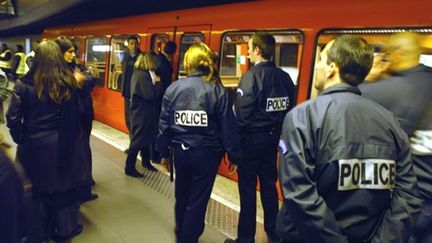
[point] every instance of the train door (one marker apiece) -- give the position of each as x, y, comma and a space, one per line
185, 37
158, 36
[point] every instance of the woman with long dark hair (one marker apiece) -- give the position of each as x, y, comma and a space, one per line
43, 119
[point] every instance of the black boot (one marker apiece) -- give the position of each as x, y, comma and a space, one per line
133, 173
149, 166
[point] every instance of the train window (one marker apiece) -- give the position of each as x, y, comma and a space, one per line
158, 41
95, 58
187, 40
234, 57
118, 48
378, 39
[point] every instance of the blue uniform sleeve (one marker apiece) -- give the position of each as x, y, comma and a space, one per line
163, 141
405, 204
245, 102
308, 211
15, 114
227, 130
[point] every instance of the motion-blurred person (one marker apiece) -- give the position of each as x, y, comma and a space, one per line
198, 123
380, 65
264, 95
86, 84
18, 63
345, 167
144, 113
11, 194
407, 94
128, 62
5, 59
43, 119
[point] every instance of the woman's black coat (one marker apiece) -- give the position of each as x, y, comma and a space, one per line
49, 138
144, 109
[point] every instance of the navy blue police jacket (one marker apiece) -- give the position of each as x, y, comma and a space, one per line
198, 114
345, 171
264, 95
407, 95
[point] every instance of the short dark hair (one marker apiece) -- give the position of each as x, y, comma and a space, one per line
170, 47
354, 57
133, 37
265, 42
19, 48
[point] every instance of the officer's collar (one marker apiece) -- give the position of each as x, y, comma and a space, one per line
197, 74
341, 87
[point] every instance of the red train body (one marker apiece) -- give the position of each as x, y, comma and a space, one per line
300, 27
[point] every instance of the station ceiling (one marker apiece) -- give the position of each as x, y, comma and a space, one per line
30, 17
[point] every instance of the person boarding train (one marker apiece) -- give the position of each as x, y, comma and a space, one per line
345, 167
197, 120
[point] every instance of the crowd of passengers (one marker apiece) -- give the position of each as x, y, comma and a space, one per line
355, 162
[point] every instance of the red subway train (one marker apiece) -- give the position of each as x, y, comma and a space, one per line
300, 28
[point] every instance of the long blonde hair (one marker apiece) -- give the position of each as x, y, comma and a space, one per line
51, 74
199, 58
145, 62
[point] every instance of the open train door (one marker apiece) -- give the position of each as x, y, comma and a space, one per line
185, 36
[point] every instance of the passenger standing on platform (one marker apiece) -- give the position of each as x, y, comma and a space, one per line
264, 95
86, 103
18, 63
128, 62
43, 119
407, 94
198, 123
165, 71
146, 92
345, 164
6, 59
164, 67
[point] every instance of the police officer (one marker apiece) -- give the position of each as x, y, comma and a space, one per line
345, 167
264, 95
5, 59
407, 94
197, 118
18, 63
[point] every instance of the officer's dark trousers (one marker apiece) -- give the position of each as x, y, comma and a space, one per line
195, 170
127, 116
259, 159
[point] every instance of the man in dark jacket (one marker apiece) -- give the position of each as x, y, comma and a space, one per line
345, 168
127, 69
264, 95
407, 94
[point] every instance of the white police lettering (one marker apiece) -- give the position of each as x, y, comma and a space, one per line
277, 104
375, 174
191, 118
